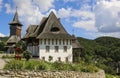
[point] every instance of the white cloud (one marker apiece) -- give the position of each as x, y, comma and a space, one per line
107, 16
87, 25
0, 4
9, 9
44, 5
77, 13
2, 35
84, 14
64, 13
86, 19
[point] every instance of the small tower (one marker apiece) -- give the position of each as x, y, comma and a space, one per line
15, 34
15, 26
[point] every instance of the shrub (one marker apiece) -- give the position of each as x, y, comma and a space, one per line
50, 58
2, 52
27, 55
42, 65
14, 65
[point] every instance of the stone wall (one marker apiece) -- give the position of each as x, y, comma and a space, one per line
50, 74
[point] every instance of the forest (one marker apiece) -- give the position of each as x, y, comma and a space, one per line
104, 52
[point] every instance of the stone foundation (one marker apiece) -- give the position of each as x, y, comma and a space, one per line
50, 74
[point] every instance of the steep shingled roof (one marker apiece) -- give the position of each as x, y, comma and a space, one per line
50, 27
54, 29
75, 43
13, 39
31, 29
15, 20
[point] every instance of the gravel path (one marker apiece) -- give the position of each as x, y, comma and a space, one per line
2, 63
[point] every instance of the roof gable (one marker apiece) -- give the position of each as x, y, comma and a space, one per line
53, 27
31, 29
53, 21
50, 27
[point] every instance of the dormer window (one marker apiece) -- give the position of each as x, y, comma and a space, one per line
55, 29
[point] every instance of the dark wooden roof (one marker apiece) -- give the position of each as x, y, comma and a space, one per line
15, 20
50, 27
13, 39
75, 43
31, 29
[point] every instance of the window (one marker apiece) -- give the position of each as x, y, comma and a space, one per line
55, 29
56, 48
47, 48
44, 41
52, 41
59, 59
40, 41
65, 48
43, 58
67, 42
56, 41
70, 42
66, 59
48, 41
63, 42
60, 42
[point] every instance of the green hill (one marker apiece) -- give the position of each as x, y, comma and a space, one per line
2, 43
103, 51
4, 39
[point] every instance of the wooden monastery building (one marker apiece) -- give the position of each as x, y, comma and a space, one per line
49, 40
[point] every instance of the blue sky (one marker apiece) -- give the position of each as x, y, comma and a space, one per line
84, 18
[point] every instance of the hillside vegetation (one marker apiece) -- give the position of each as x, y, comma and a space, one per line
2, 43
103, 51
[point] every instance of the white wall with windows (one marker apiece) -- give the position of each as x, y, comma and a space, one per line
59, 50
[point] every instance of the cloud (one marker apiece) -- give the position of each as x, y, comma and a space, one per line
64, 13
9, 9
0, 4
107, 16
87, 25
2, 35
44, 5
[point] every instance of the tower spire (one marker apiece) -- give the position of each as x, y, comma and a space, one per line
16, 8
15, 19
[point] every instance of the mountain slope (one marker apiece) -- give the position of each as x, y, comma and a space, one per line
103, 51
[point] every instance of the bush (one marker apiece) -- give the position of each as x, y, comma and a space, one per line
42, 65
27, 55
111, 76
14, 65
2, 52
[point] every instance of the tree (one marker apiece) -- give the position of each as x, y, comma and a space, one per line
22, 45
27, 55
2, 46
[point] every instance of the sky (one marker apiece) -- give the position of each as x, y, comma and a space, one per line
83, 18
